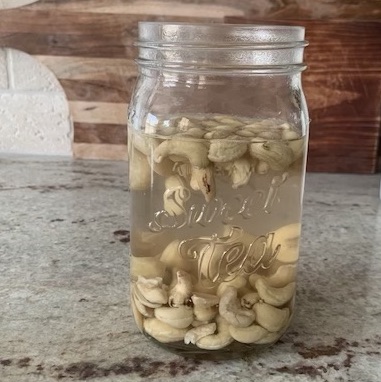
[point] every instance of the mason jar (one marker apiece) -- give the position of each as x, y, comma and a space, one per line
217, 136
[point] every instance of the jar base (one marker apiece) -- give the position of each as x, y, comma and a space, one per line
233, 351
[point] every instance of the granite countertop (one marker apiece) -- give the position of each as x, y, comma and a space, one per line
64, 307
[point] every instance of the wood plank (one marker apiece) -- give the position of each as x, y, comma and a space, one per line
159, 8
99, 151
89, 68
100, 133
99, 91
99, 112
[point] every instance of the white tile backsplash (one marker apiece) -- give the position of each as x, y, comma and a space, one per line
34, 111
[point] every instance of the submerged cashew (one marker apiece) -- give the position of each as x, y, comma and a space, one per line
276, 154
146, 266
180, 294
139, 171
219, 340
204, 306
150, 292
294, 141
144, 310
249, 299
227, 120
269, 338
230, 309
271, 318
175, 195
238, 282
248, 335
172, 258
179, 318
274, 296
203, 179
262, 168
195, 152
195, 334
240, 172
226, 151
284, 275
163, 332
287, 238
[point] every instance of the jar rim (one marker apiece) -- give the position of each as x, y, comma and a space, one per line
218, 34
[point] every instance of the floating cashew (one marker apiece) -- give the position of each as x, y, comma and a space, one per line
240, 172
217, 134
163, 332
295, 142
230, 309
196, 153
179, 318
226, 151
284, 275
271, 318
175, 195
249, 299
219, 340
194, 132
248, 335
150, 292
172, 258
195, 334
146, 266
139, 171
180, 294
277, 154
185, 124
274, 296
287, 237
227, 120
203, 179
238, 282
204, 308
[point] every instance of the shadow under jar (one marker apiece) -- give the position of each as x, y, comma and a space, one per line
217, 133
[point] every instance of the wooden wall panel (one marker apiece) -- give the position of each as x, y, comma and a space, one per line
88, 45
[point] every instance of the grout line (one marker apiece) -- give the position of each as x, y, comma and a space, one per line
11, 78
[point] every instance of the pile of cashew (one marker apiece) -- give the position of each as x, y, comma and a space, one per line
251, 308
194, 148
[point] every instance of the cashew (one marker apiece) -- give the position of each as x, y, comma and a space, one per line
262, 168
172, 258
287, 238
145, 144
271, 318
238, 282
196, 153
217, 134
139, 171
249, 299
210, 123
144, 310
164, 168
269, 338
175, 195
240, 172
274, 296
163, 332
194, 132
185, 124
230, 309
204, 306
227, 120
226, 151
245, 133
179, 318
269, 135
248, 335
146, 266
295, 142
180, 294
195, 334
219, 340
277, 154
203, 179
284, 275
150, 292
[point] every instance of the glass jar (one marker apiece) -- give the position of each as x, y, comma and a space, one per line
217, 151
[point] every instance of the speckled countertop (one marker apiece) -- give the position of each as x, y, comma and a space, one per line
64, 310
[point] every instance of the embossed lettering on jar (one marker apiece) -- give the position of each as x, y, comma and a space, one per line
217, 131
